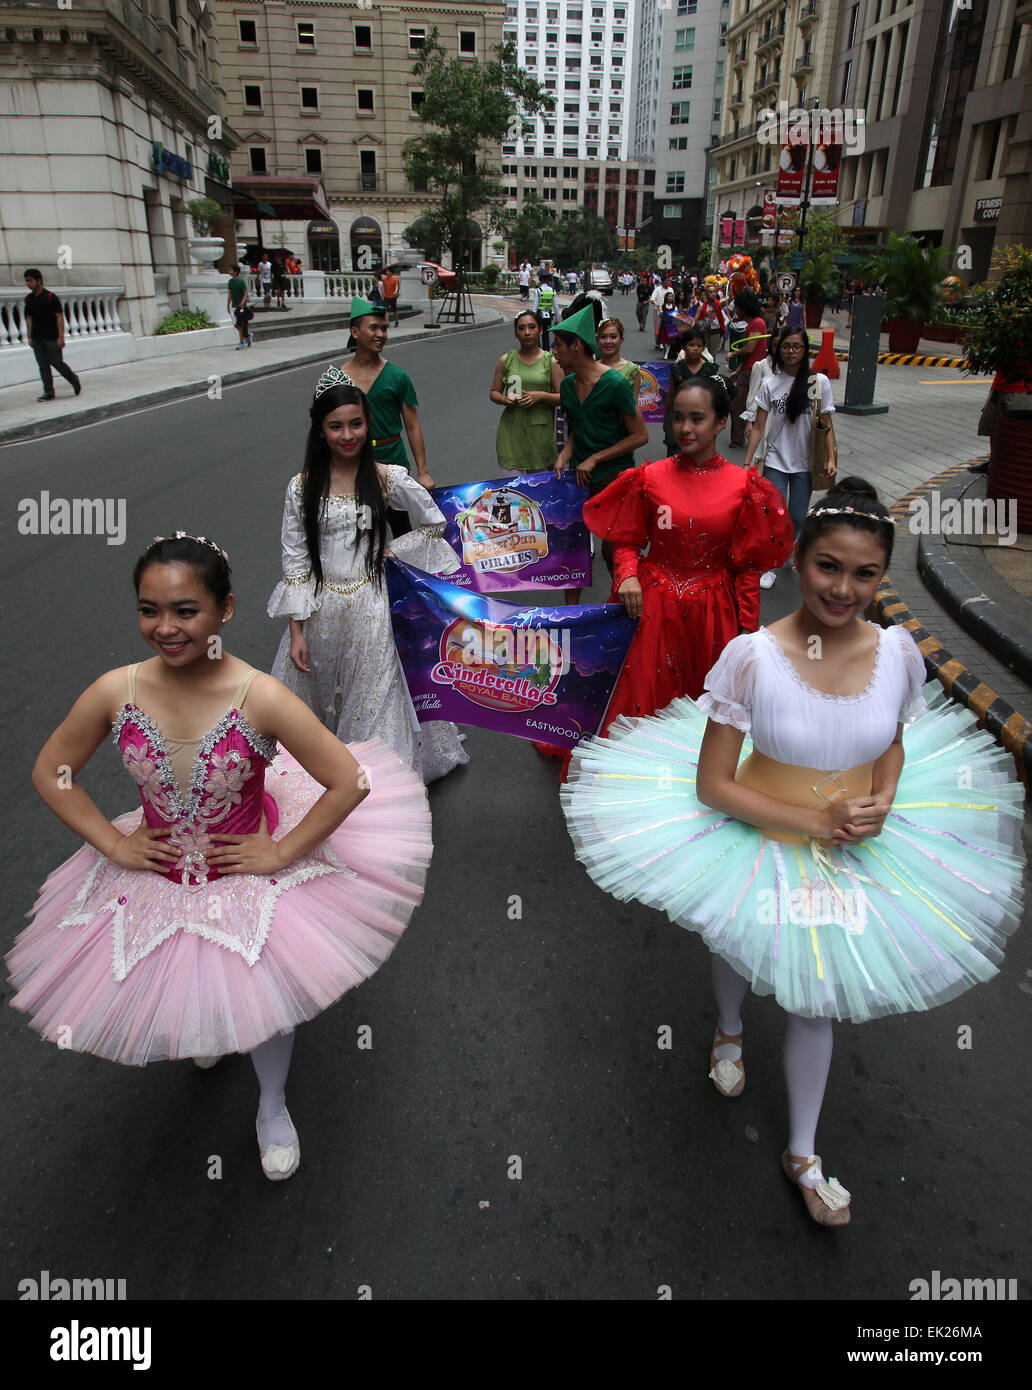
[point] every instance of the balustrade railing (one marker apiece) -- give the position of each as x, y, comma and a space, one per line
88, 313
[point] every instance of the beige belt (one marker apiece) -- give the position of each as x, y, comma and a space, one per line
802, 786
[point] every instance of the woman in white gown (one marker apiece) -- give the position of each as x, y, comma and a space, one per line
338, 654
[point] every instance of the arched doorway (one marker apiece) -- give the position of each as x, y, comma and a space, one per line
323, 246
366, 244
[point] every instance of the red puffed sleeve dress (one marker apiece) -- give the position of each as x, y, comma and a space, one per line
712, 529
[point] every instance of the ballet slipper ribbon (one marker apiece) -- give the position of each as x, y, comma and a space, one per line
833, 1194
725, 1075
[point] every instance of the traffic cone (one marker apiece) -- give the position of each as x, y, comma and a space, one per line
826, 361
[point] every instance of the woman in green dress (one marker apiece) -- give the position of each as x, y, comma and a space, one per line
610, 336
526, 384
391, 396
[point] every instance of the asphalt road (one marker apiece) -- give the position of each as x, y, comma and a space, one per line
499, 1046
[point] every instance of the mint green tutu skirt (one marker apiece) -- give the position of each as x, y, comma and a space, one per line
899, 923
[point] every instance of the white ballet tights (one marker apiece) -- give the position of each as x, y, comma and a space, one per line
808, 1044
272, 1063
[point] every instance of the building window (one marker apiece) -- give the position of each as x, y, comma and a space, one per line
675, 183
679, 142
684, 40
367, 160
416, 100
569, 151
252, 95
305, 33
549, 172
364, 37
313, 161
682, 78
617, 60
716, 108
679, 112
530, 171
569, 171
248, 32
467, 41
687, 7
671, 209
258, 165
569, 195
310, 98
416, 39
365, 99
548, 195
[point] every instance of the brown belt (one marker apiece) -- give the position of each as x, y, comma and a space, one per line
801, 786
391, 439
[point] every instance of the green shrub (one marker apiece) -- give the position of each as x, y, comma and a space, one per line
185, 321
491, 274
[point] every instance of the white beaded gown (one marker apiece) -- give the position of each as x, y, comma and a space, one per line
356, 685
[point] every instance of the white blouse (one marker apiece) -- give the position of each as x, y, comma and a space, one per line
342, 544
755, 687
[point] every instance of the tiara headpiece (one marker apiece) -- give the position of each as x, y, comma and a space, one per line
183, 536
332, 376
851, 511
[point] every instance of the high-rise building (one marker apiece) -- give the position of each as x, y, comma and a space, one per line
679, 69
947, 96
580, 52
325, 98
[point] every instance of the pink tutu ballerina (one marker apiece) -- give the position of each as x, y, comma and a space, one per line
245, 895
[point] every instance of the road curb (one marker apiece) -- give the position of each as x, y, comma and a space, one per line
1009, 728
990, 624
43, 429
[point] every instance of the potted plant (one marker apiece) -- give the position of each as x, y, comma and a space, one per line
204, 213
997, 320
910, 276
819, 282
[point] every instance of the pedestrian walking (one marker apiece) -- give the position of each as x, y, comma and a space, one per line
526, 384
45, 330
525, 276
751, 338
793, 865
796, 317
265, 279
391, 287
643, 295
338, 653
279, 282
787, 393
241, 900
657, 300
391, 396
237, 297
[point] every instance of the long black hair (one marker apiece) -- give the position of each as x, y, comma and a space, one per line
851, 496
204, 558
315, 483
798, 402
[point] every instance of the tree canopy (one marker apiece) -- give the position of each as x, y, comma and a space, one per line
468, 109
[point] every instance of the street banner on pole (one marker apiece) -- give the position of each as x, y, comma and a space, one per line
827, 161
522, 532
536, 673
792, 169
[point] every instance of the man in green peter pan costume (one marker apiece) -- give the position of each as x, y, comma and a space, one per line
391, 395
605, 425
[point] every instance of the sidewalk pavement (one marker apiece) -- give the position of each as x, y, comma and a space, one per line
131, 386
967, 597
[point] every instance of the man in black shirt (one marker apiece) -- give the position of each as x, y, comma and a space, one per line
44, 322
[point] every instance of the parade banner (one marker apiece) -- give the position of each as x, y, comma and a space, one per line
537, 673
792, 170
524, 532
652, 393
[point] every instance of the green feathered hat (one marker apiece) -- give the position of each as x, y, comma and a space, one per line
360, 309
580, 325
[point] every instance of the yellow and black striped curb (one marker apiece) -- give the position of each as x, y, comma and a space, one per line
1010, 729
907, 359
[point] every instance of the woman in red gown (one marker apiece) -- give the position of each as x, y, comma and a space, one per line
712, 529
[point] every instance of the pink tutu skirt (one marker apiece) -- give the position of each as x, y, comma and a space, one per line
124, 964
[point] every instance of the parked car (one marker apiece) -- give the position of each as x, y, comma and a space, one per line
598, 278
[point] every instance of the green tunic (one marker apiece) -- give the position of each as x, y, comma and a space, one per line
526, 434
597, 423
389, 392
628, 371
